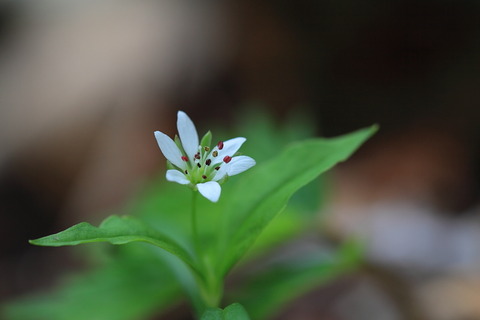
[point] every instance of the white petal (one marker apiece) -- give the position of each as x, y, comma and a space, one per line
239, 164
177, 176
170, 149
230, 147
221, 172
210, 190
188, 134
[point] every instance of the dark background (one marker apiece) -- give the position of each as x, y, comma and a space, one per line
76, 121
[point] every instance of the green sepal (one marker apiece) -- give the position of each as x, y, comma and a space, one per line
206, 140
170, 166
178, 142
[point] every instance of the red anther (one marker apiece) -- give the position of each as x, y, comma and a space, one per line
227, 159
204, 177
208, 162
197, 156
184, 158
220, 145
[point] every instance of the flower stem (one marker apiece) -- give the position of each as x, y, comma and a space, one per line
196, 242
211, 288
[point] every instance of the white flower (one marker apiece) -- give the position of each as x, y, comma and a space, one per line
196, 164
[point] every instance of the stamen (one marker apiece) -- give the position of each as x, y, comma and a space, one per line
217, 168
186, 172
208, 162
204, 177
199, 165
227, 159
220, 145
184, 158
197, 156
215, 153
207, 149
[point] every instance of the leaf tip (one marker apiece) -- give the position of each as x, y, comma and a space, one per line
36, 242
374, 128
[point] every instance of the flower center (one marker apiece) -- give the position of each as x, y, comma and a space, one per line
203, 165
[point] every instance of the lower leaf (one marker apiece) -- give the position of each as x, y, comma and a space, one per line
116, 230
233, 312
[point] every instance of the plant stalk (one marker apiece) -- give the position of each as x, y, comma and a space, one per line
196, 239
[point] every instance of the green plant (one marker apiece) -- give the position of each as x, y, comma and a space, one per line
198, 241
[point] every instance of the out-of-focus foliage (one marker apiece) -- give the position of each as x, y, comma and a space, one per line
134, 284
137, 283
232, 312
266, 293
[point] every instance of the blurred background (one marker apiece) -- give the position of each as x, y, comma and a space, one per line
83, 85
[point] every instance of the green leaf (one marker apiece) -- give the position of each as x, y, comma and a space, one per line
282, 282
268, 137
265, 189
116, 230
232, 312
213, 314
235, 312
136, 284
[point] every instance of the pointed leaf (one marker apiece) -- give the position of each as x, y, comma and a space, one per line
116, 230
265, 189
